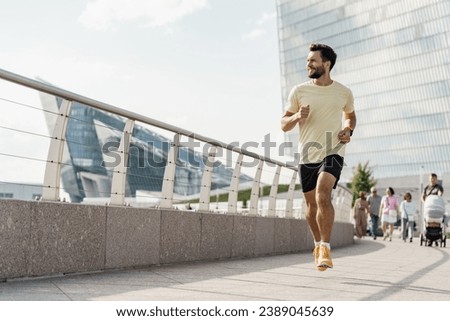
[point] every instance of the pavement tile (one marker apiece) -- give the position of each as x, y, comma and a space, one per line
367, 270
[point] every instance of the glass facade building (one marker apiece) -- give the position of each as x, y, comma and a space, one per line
93, 137
395, 57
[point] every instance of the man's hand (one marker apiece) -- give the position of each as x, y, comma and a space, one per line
303, 113
344, 135
290, 120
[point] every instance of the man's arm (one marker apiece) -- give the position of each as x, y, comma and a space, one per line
350, 120
349, 126
290, 120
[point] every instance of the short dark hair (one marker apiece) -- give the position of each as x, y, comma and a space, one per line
433, 175
326, 52
391, 190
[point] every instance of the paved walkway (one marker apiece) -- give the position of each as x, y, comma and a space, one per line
368, 270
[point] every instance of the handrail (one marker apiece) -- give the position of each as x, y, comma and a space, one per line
68, 95
51, 186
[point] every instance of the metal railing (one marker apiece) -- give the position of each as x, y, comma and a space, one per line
54, 162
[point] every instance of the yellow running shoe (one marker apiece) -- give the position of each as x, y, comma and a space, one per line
324, 260
316, 259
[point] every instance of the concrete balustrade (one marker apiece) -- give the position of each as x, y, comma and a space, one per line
51, 238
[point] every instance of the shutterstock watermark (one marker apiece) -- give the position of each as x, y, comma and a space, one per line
193, 153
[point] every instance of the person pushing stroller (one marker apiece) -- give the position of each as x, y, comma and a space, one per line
435, 189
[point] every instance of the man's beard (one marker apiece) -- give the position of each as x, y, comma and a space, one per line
317, 73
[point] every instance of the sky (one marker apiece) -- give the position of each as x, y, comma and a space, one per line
209, 66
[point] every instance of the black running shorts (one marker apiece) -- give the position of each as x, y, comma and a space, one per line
309, 173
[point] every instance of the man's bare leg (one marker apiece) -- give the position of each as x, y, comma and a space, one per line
325, 209
311, 214
325, 218
311, 218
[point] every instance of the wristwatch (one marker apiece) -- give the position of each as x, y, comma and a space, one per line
351, 131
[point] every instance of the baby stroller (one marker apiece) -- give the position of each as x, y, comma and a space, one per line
434, 222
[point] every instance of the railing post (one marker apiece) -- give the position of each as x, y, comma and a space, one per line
254, 197
169, 174
52, 176
234, 186
205, 189
119, 179
273, 193
290, 196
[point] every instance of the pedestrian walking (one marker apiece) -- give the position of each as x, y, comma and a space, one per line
389, 211
374, 201
360, 212
407, 211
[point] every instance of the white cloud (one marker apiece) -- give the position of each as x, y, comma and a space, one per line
255, 33
104, 14
260, 26
266, 17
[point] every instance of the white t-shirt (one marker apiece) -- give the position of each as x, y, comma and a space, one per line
408, 209
319, 133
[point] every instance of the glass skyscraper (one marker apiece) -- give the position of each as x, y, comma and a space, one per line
395, 57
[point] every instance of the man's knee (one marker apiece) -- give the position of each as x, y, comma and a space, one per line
323, 198
324, 188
